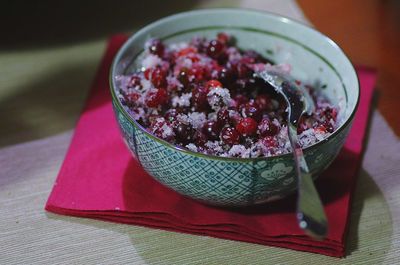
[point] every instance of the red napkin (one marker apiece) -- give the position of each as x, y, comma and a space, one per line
100, 179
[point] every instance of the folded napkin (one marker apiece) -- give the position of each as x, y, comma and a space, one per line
100, 179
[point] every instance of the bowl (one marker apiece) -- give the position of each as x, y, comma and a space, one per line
240, 181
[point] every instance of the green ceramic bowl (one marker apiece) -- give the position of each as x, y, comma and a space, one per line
236, 181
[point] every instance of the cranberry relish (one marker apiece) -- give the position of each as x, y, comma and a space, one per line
203, 96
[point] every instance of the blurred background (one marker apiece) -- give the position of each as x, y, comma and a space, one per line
49, 51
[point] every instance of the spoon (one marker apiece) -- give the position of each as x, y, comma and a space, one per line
310, 212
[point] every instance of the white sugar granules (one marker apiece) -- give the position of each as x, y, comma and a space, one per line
182, 101
150, 61
218, 97
197, 119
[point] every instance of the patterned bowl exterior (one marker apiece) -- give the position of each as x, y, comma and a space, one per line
217, 181
235, 181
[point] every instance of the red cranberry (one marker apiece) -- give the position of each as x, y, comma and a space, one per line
240, 100
158, 77
147, 73
135, 81
156, 98
211, 129
263, 101
200, 138
223, 37
184, 76
159, 128
247, 126
156, 47
198, 73
243, 71
267, 128
225, 75
213, 84
170, 57
215, 48
269, 142
252, 110
222, 117
183, 132
199, 99
230, 136
223, 58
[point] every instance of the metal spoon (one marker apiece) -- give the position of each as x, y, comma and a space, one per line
310, 212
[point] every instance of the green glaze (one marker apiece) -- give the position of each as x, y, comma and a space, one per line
237, 181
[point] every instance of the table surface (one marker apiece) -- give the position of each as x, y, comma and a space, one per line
46, 67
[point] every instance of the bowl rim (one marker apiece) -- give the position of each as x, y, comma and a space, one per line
275, 16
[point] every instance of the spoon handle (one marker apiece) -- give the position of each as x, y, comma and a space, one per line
310, 212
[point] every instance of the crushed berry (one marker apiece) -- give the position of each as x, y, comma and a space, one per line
202, 95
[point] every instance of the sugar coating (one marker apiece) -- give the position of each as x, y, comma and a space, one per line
218, 97
197, 119
151, 61
192, 147
180, 98
182, 101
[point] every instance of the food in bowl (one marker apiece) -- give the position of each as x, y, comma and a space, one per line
202, 95
237, 181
